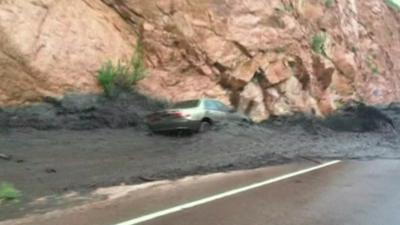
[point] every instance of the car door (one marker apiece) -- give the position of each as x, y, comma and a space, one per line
213, 111
226, 112
229, 113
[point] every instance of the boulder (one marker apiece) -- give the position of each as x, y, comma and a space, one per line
243, 74
345, 63
326, 104
278, 72
5, 157
341, 85
251, 102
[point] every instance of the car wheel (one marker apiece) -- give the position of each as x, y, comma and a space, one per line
247, 121
204, 127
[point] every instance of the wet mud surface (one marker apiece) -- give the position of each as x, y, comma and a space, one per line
53, 162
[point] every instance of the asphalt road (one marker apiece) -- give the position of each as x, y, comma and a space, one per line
347, 193
351, 193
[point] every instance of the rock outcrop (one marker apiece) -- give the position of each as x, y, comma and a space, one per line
49, 47
265, 57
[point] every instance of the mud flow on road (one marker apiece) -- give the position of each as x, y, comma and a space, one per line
53, 162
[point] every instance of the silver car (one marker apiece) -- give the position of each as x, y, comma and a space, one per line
193, 115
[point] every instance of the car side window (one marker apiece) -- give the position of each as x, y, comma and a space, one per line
222, 107
210, 105
216, 106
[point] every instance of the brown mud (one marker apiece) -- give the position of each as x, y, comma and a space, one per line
55, 160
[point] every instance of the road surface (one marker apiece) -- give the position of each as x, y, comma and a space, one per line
346, 193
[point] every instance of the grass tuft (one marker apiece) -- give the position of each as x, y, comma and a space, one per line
8, 192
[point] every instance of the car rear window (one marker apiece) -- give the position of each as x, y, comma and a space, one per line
186, 104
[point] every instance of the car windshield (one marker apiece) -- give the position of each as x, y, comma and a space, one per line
186, 104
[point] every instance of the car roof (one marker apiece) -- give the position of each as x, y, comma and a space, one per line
201, 100
209, 99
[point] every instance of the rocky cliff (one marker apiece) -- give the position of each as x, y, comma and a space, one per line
265, 57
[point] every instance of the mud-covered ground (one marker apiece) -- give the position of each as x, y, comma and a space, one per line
53, 162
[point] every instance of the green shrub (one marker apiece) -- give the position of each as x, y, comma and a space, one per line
372, 65
318, 43
289, 8
106, 78
138, 64
286, 8
394, 4
328, 3
354, 49
122, 75
8, 192
339, 104
280, 50
375, 71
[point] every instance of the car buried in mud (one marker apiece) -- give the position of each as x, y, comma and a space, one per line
193, 115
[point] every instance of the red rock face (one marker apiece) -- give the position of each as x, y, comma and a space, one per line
50, 47
256, 54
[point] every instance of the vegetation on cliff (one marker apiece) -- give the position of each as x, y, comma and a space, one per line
114, 77
394, 4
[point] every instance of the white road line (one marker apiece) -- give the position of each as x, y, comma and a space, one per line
178, 208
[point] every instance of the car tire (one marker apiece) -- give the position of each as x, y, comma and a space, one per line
204, 127
247, 121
